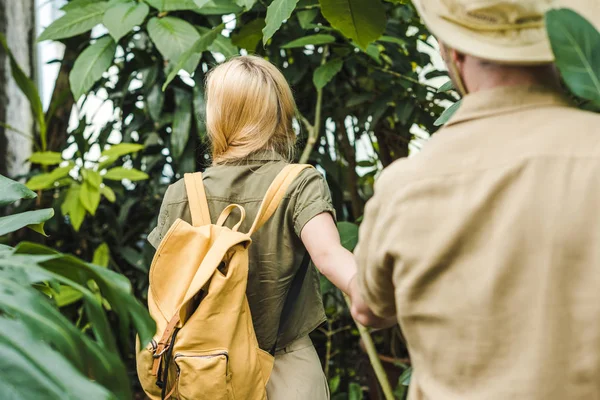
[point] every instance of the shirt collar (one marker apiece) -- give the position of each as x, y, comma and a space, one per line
507, 99
264, 156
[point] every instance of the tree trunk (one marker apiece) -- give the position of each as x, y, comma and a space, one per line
17, 23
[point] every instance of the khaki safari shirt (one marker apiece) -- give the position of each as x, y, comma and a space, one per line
486, 246
277, 251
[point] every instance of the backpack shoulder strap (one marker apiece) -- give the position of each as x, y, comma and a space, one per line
197, 199
275, 194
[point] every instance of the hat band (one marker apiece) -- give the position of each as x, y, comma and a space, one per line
495, 27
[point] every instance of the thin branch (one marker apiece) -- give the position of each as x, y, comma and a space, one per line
374, 359
406, 78
313, 134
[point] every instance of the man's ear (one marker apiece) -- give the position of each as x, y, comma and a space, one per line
458, 58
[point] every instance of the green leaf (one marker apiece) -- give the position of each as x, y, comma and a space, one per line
374, 52
91, 176
29, 89
193, 53
446, 87
31, 367
173, 5
217, 7
73, 207
362, 21
90, 196
91, 64
246, 4
11, 191
405, 377
325, 73
32, 263
77, 4
348, 234
121, 18
107, 161
314, 40
102, 255
221, 44
107, 192
182, 122
277, 12
446, 115
45, 181
249, 35
334, 384
120, 173
307, 17
174, 37
75, 22
392, 39
355, 391
46, 158
66, 296
575, 44
15, 222
122, 149
155, 102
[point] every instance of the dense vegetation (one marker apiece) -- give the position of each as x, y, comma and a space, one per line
357, 69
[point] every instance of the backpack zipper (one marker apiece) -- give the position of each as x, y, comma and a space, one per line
222, 353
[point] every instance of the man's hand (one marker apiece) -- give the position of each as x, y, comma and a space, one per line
361, 311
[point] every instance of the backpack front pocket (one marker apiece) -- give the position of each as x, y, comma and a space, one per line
203, 376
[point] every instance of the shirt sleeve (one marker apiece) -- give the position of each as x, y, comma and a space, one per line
374, 253
312, 198
174, 206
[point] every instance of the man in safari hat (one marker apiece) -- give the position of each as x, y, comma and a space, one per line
486, 245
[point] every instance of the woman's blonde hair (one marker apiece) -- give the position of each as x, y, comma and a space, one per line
249, 107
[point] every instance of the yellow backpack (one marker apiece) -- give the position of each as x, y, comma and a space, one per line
205, 346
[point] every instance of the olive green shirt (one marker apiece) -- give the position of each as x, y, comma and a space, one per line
276, 251
486, 246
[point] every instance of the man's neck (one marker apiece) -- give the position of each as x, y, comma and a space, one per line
480, 75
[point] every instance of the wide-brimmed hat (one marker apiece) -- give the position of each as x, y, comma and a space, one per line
503, 31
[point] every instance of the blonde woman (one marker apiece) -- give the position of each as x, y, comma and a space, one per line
249, 115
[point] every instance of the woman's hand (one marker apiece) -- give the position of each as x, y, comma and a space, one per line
361, 311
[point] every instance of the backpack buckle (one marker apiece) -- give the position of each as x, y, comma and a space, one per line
160, 354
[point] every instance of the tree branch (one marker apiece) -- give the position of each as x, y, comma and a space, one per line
313, 134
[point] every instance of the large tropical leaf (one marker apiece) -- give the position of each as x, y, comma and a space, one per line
362, 21
32, 370
91, 64
277, 12
11, 191
194, 53
35, 219
173, 38
121, 18
249, 35
30, 264
576, 46
77, 20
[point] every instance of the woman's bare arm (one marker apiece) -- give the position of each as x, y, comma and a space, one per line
322, 240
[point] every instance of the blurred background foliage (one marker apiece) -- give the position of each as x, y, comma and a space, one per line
362, 76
